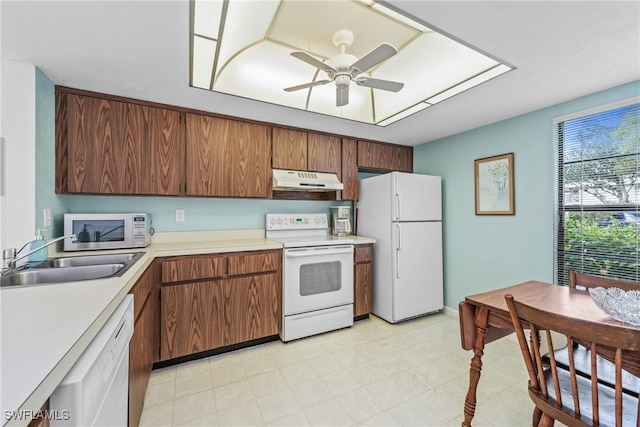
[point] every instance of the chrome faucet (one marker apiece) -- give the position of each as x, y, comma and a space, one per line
10, 255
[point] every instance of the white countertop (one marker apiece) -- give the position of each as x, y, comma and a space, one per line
45, 328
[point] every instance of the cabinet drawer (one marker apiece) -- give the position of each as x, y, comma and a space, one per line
193, 268
363, 253
254, 262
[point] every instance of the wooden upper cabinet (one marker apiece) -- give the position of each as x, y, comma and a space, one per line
324, 153
350, 169
112, 145
166, 137
106, 141
105, 146
381, 157
227, 158
289, 149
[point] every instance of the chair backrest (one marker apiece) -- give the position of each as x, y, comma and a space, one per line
577, 280
563, 395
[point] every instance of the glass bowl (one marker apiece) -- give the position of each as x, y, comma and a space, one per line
617, 303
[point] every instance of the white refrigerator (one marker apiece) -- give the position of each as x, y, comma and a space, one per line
403, 212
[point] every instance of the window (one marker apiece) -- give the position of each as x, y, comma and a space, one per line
598, 215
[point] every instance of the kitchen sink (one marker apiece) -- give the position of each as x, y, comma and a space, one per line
90, 260
72, 269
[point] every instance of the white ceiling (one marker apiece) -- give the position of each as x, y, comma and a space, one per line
140, 49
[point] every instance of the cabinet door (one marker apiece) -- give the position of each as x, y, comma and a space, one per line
325, 154
384, 157
227, 158
363, 280
116, 147
289, 149
141, 358
363, 295
144, 346
189, 315
167, 160
252, 308
401, 158
350, 169
208, 155
106, 143
251, 160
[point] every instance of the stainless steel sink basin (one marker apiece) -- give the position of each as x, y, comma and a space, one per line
72, 269
56, 275
78, 261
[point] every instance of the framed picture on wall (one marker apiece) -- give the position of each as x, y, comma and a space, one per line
494, 185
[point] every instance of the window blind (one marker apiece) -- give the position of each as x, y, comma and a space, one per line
598, 218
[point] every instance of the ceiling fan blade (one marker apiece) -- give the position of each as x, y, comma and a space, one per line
313, 61
306, 85
342, 95
373, 58
379, 84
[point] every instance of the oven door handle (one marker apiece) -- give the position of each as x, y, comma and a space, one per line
310, 253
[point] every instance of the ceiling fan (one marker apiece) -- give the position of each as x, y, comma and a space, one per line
344, 68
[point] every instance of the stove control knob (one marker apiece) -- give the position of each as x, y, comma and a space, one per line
280, 221
272, 221
323, 219
317, 220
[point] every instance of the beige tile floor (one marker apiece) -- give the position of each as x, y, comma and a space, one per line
372, 374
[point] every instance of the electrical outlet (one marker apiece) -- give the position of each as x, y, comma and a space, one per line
179, 215
46, 213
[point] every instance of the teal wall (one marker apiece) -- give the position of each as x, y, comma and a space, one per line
45, 158
488, 252
200, 213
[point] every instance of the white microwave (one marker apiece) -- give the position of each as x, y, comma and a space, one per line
106, 231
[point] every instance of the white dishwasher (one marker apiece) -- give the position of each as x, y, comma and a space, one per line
95, 391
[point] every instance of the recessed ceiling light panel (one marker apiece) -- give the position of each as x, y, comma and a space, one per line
245, 48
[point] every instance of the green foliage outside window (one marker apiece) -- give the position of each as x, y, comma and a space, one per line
593, 249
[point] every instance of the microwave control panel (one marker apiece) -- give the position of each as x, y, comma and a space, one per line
140, 231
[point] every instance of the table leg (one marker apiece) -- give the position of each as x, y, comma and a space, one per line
481, 321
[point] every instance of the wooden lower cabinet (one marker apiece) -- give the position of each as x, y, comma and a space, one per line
189, 315
363, 280
41, 420
243, 305
144, 345
251, 308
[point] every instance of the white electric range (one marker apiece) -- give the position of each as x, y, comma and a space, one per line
317, 278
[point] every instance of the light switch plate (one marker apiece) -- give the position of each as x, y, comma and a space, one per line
46, 213
179, 215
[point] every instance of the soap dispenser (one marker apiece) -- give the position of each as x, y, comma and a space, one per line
40, 255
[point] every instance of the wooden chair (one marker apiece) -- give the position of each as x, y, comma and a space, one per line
564, 395
582, 355
585, 281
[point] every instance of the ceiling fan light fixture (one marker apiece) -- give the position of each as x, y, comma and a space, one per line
342, 79
342, 68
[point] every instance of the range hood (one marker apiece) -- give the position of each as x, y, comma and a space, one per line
305, 181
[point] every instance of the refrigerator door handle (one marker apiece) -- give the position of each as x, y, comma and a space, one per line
398, 245
397, 206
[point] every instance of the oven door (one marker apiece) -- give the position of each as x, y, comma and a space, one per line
317, 277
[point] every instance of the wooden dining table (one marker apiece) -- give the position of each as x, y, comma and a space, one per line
485, 318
